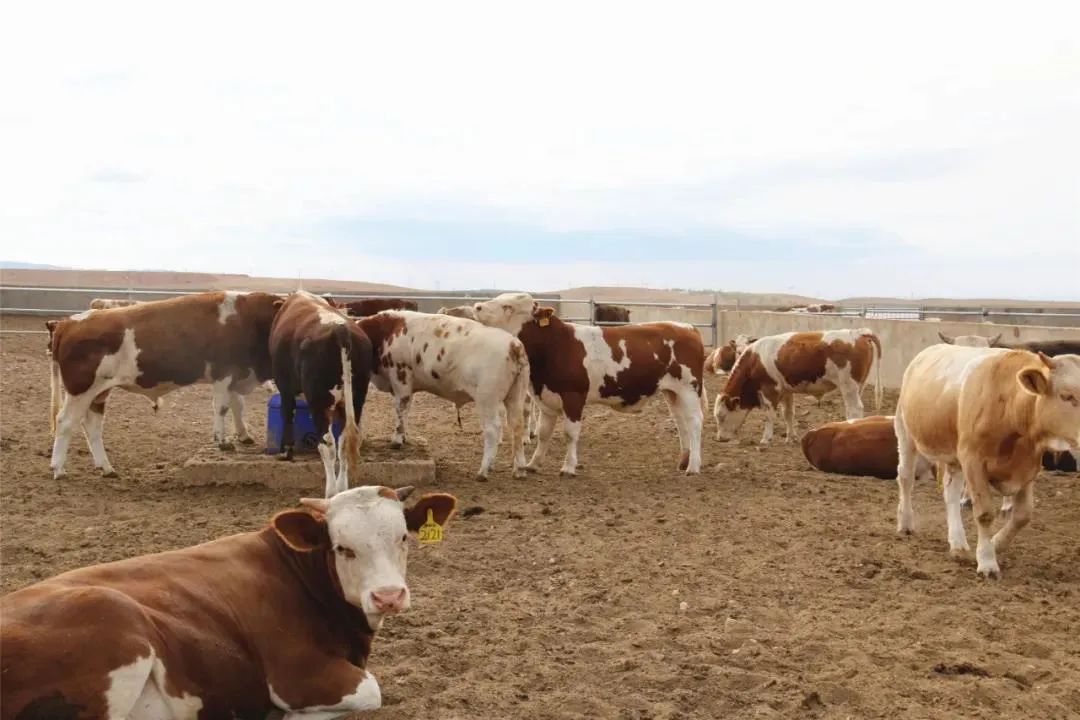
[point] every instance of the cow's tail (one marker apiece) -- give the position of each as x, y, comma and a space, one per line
878, 390
56, 390
515, 396
350, 435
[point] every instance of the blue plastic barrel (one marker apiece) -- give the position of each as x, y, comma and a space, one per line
303, 427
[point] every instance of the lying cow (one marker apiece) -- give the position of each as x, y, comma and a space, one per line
773, 369
989, 415
109, 303
279, 620
152, 349
855, 447
317, 351
621, 367
610, 314
722, 359
457, 359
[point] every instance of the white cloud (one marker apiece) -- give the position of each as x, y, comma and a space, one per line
135, 138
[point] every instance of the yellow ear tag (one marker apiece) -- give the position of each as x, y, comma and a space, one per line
430, 532
543, 321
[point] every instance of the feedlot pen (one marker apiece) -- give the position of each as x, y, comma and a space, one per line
564, 598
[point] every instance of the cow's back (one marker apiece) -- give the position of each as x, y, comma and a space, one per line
856, 447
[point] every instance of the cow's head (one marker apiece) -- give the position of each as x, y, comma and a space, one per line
366, 533
508, 311
1056, 384
969, 340
730, 416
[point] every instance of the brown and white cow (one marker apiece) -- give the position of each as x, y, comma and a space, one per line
109, 303
866, 446
152, 349
611, 314
319, 352
723, 358
621, 367
773, 369
457, 359
279, 620
988, 414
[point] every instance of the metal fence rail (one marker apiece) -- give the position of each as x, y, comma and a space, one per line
31, 296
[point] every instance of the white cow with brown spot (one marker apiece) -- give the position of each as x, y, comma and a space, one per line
987, 414
457, 359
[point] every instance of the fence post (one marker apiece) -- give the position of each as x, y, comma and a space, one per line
716, 319
592, 310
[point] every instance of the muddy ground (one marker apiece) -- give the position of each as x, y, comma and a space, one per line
562, 598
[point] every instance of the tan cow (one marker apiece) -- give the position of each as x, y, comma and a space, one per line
621, 367
278, 620
152, 349
988, 414
109, 303
773, 369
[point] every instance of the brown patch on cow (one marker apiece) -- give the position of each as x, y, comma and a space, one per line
424, 349
748, 379
382, 328
387, 493
419, 360
439, 355
801, 360
435, 374
402, 373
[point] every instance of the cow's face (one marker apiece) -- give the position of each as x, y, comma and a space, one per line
461, 311
366, 531
730, 416
508, 311
1056, 382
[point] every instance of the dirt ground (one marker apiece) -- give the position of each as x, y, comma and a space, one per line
561, 599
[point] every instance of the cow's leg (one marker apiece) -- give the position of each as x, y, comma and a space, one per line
852, 396
693, 421
71, 414
514, 405
675, 407
905, 476
288, 429
543, 439
952, 491
236, 405
572, 428
402, 402
93, 423
328, 451
1019, 516
221, 409
982, 506
335, 688
787, 411
491, 425
770, 417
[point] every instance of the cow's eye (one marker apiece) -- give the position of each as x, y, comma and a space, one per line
405, 538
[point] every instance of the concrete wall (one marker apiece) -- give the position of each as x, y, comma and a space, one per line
901, 340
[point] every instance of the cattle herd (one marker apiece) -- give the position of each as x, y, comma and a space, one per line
979, 415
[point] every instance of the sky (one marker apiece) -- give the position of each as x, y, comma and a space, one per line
831, 149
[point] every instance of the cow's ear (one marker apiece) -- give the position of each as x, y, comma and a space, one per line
277, 304
301, 530
1036, 380
730, 402
441, 505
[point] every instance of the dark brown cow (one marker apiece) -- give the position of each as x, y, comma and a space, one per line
621, 367
854, 447
319, 352
276, 620
611, 314
774, 368
152, 349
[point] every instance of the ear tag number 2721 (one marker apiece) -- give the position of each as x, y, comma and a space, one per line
430, 532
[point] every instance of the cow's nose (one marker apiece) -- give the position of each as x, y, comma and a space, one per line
389, 600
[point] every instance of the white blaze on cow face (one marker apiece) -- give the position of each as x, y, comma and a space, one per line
370, 544
508, 311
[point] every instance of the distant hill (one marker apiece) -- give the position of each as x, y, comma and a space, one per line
15, 265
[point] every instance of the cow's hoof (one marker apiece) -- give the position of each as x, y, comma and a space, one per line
693, 472
520, 473
480, 477
59, 475
247, 441
110, 474
395, 445
285, 456
226, 446
567, 474
959, 553
990, 572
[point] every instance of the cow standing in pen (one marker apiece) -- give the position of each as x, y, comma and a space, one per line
621, 367
457, 359
319, 352
723, 358
988, 415
151, 349
773, 369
